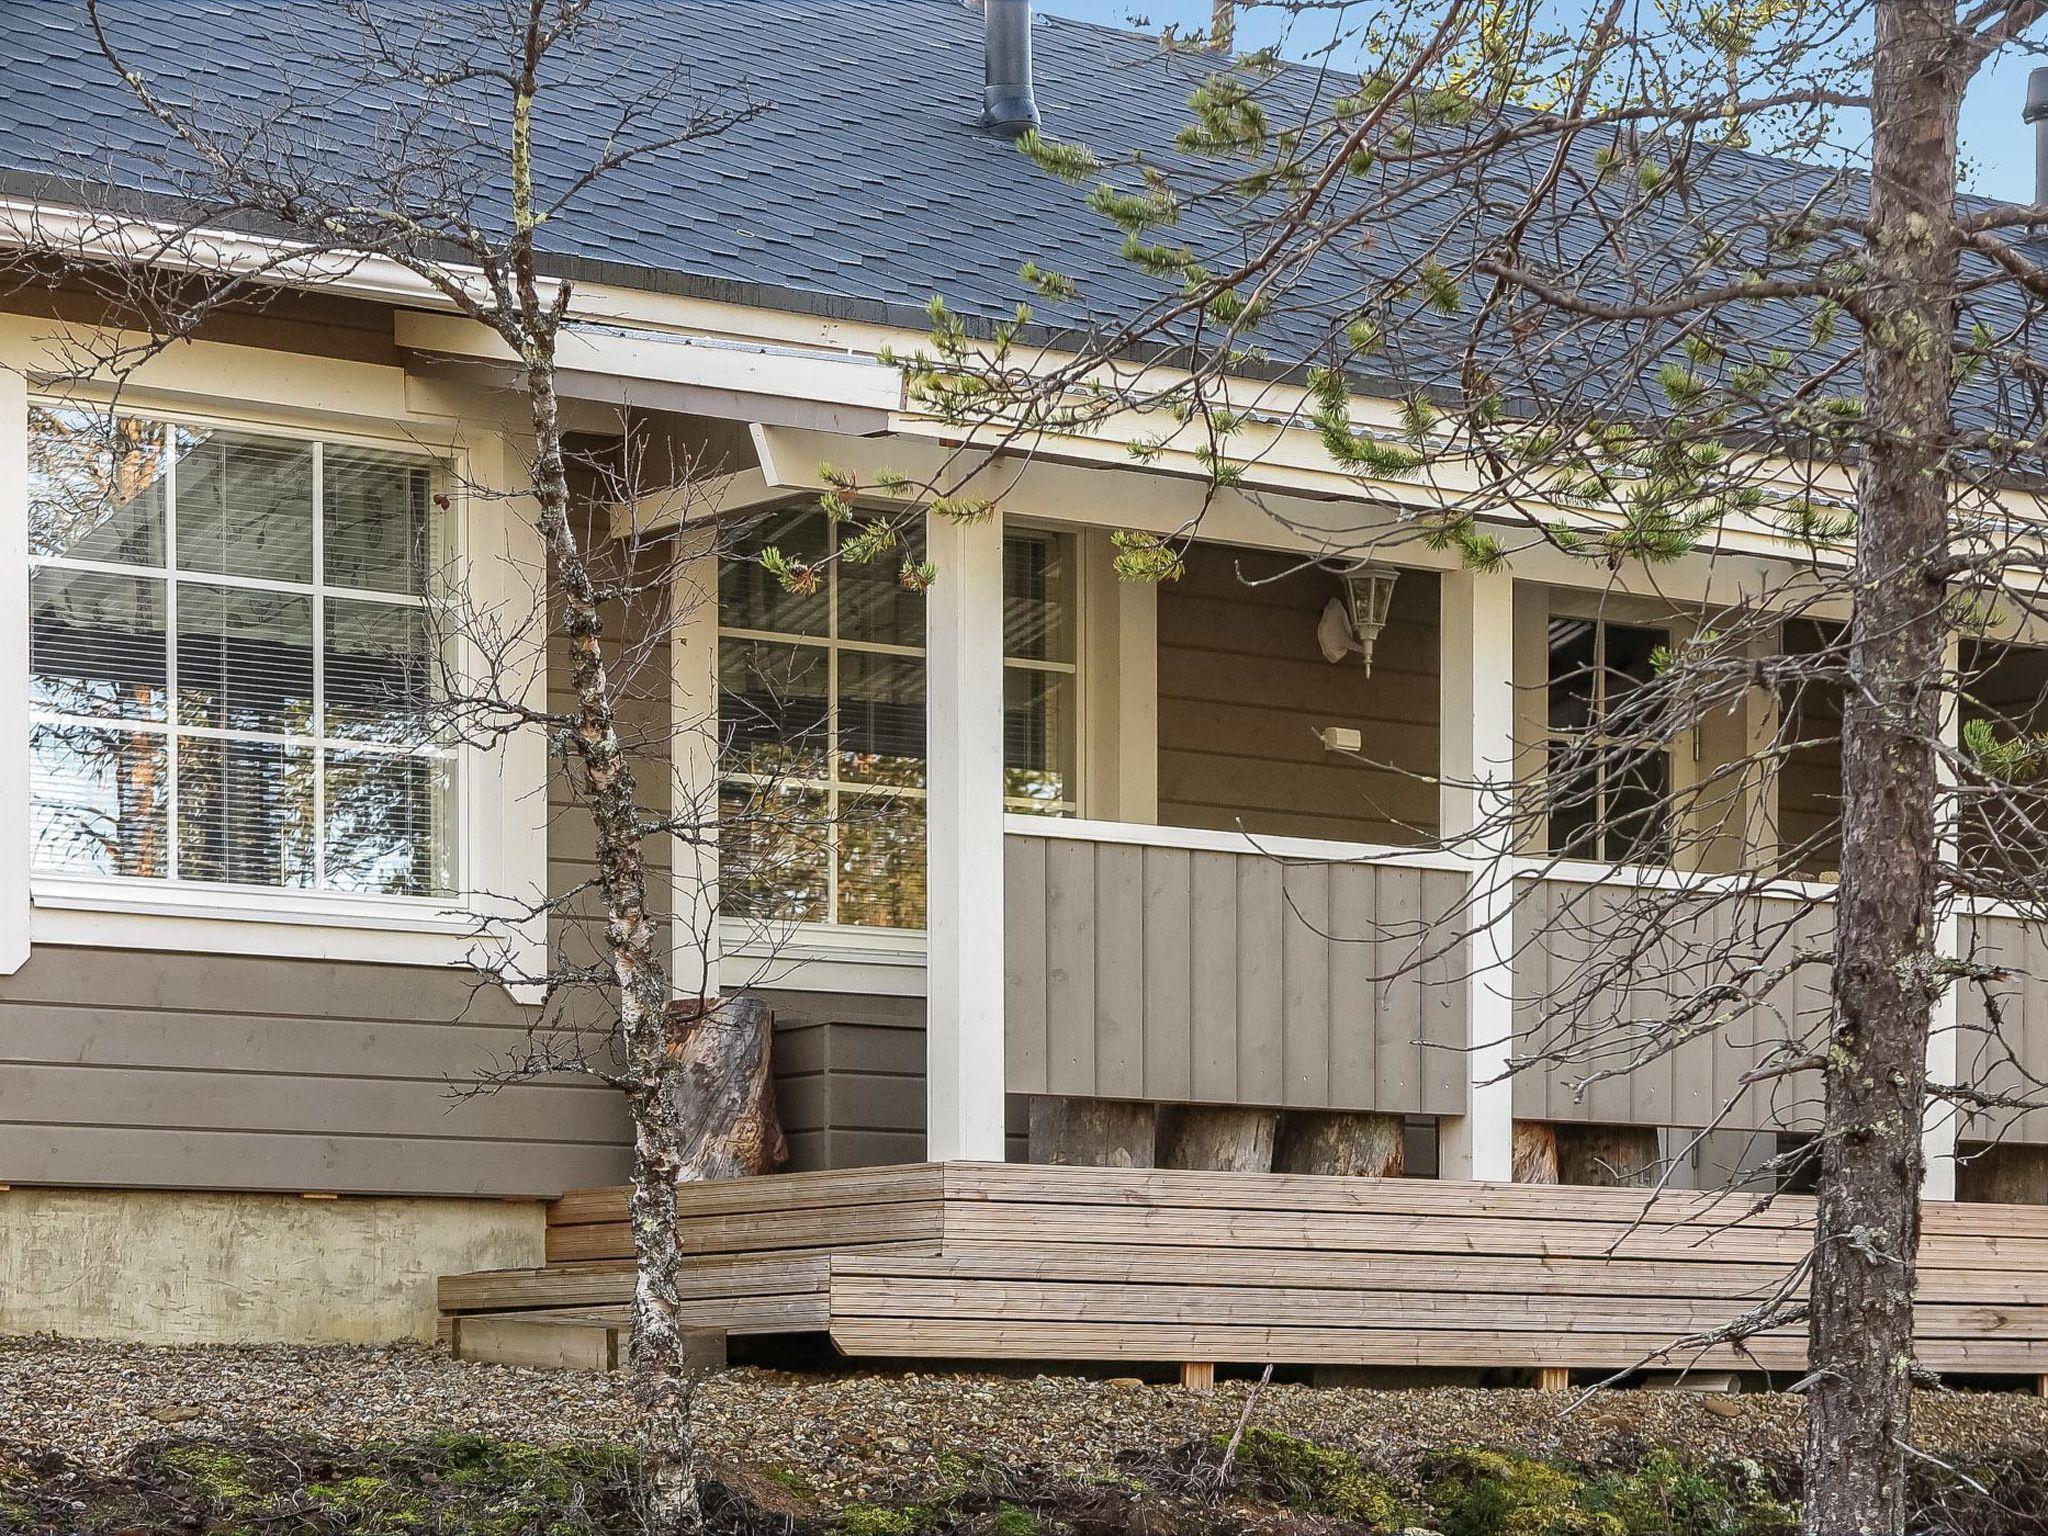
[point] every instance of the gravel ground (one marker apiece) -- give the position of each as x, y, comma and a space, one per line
852, 1436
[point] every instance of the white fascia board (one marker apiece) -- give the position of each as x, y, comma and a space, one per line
664, 357
31, 224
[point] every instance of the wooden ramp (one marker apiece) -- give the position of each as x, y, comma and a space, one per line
983, 1261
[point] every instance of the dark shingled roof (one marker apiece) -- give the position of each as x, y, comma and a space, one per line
865, 187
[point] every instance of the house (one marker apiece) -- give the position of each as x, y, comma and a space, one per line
1110, 841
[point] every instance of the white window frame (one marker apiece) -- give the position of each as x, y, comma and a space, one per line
500, 796
1602, 742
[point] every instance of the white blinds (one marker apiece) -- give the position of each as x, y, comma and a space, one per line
231, 659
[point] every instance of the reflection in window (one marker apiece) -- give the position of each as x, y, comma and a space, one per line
231, 659
822, 713
1609, 777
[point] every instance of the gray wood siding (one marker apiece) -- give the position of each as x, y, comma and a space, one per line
1243, 690
1210, 977
2002, 1044
128, 1069
123, 1068
1565, 933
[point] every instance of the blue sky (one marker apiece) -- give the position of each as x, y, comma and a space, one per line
1996, 145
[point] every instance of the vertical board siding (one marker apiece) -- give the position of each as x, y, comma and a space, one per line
1593, 1043
2003, 1024
1227, 978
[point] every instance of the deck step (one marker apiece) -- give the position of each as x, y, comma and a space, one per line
560, 1338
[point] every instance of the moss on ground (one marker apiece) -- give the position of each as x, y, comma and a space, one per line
468, 1485
1298, 1474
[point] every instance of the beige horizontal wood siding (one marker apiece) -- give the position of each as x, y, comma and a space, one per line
1568, 938
2002, 1046
122, 1068
1183, 975
1243, 690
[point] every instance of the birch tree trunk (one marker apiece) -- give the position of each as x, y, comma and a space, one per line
1885, 980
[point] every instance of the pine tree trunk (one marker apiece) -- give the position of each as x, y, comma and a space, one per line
1346, 1145
1092, 1133
1219, 1136
1885, 980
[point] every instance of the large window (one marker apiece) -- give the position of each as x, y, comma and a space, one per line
1609, 764
823, 713
231, 658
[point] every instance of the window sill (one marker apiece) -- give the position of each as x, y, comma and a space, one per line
239, 921
821, 957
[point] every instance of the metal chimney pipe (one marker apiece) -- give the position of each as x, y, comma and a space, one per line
2037, 114
1008, 106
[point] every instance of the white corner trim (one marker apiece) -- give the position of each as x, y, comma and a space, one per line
14, 762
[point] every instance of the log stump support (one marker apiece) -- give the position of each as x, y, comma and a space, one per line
730, 1129
1092, 1133
1198, 1375
1553, 1378
1595, 1156
1343, 1144
1222, 1137
2006, 1173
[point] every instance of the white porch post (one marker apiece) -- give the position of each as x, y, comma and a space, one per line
14, 760
1474, 796
693, 762
964, 847
1938, 1122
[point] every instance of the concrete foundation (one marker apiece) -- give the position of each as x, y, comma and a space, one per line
176, 1268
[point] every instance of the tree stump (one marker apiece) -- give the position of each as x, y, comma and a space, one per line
1218, 1136
1092, 1133
724, 1114
1535, 1152
1608, 1156
1348, 1145
2002, 1174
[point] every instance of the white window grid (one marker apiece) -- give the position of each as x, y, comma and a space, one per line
832, 784
318, 591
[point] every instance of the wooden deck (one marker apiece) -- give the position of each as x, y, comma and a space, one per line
977, 1261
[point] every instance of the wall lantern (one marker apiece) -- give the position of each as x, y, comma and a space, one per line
1354, 621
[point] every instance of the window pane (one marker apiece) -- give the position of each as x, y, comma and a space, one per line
881, 719
773, 843
95, 487
750, 598
1630, 664
1571, 674
881, 861
874, 605
1573, 800
99, 801
1038, 597
379, 673
244, 505
772, 707
245, 659
245, 812
390, 824
1038, 734
1638, 789
96, 644
377, 521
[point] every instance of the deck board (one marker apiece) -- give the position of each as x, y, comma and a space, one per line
982, 1261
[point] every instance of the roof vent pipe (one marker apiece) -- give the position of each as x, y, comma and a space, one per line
1008, 106
2037, 114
